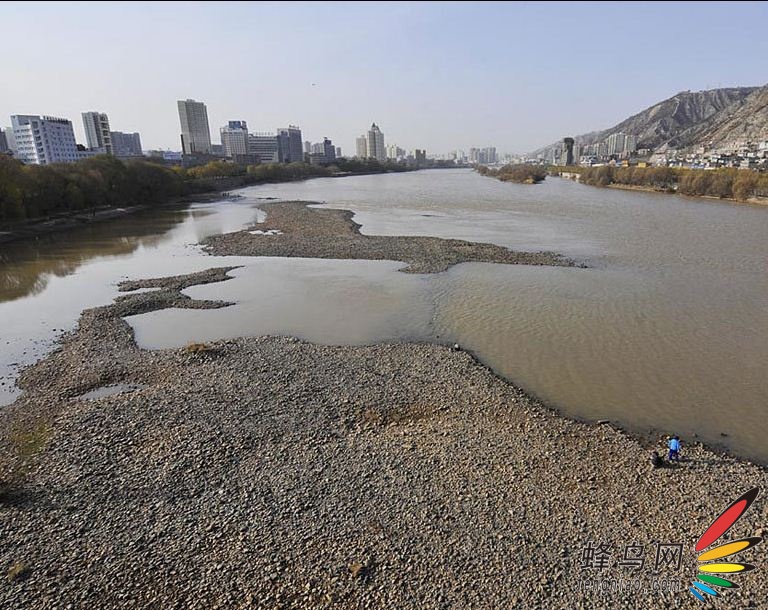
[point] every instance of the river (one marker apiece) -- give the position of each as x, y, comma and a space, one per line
667, 329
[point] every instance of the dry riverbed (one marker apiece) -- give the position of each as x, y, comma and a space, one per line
273, 473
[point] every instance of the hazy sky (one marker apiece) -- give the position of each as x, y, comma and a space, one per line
435, 75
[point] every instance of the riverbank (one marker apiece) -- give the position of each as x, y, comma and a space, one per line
272, 473
160, 185
647, 189
576, 177
298, 230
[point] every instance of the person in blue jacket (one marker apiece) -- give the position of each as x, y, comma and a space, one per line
674, 449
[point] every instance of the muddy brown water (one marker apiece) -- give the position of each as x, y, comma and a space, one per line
667, 329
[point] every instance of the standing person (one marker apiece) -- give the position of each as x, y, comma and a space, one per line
674, 449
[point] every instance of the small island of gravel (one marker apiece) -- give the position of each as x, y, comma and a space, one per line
294, 229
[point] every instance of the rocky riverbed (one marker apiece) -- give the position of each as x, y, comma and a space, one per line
299, 230
273, 473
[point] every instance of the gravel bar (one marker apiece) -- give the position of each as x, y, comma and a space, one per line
328, 233
272, 473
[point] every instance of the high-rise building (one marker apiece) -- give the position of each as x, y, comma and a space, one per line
234, 139
361, 147
10, 140
195, 133
264, 146
43, 140
289, 144
125, 144
375, 144
395, 152
630, 143
307, 147
483, 155
490, 154
338, 152
420, 156
3, 142
567, 158
615, 143
97, 133
328, 150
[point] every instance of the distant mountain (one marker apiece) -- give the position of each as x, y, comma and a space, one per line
690, 119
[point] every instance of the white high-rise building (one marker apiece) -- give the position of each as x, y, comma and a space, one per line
234, 139
43, 140
394, 152
195, 133
630, 143
375, 144
361, 147
97, 132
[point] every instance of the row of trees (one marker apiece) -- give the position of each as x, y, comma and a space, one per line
33, 191
524, 174
729, 183
284, 172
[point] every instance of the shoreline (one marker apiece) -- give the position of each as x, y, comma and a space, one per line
386, 475
761, 201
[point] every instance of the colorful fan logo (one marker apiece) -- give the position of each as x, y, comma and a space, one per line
710, 562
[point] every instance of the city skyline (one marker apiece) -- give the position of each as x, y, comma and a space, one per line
451, 76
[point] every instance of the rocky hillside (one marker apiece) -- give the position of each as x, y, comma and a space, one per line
690, 119
745, 121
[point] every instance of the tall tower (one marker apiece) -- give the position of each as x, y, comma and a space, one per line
361, 147
97, 131
568, 150
376, 144
195, 133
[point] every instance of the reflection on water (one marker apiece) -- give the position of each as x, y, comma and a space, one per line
47, 282
667, 329
27, 265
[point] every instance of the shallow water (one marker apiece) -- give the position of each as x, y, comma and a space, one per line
668, 328
324, 301
45, 283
